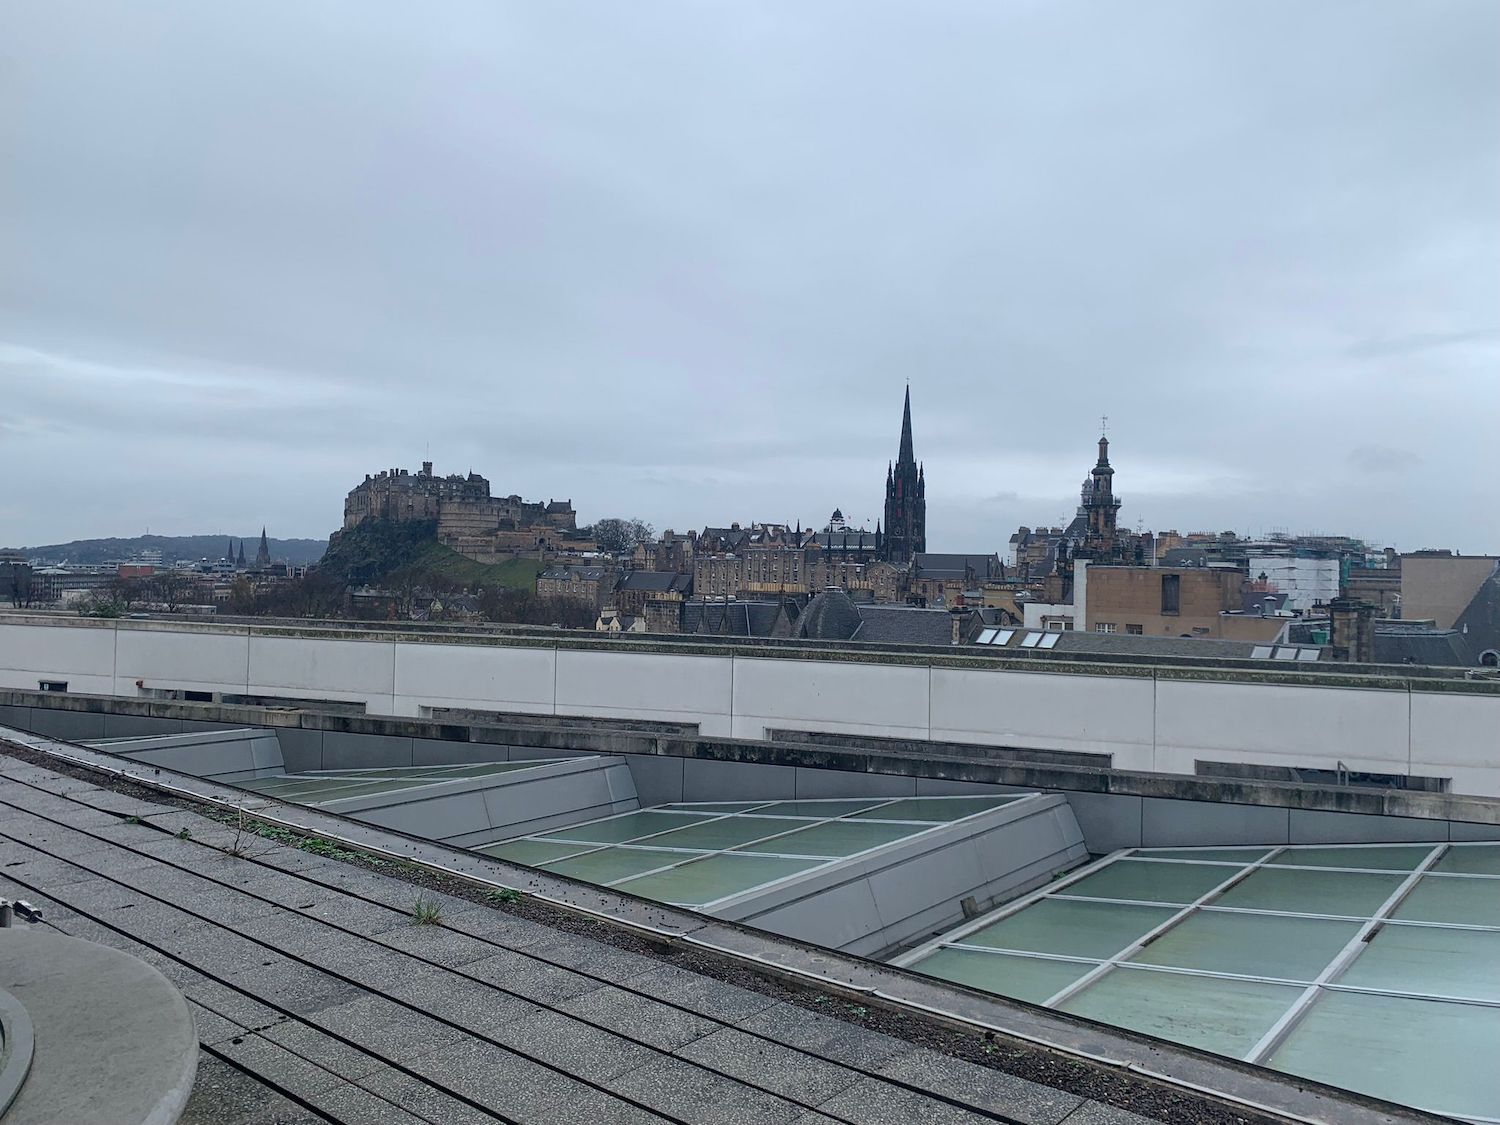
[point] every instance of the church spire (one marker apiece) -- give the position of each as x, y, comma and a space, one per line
906, 456
905, 524
263, 556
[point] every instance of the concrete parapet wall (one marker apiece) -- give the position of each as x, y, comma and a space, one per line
1147, 717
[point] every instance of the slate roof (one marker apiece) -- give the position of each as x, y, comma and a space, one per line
655, 581
845, 540
830, 616
1480, 620
905, 625
1443, 647
834, 616
735, 619
930, 565
587, 573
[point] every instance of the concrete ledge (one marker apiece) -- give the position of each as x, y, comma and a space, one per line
832, 752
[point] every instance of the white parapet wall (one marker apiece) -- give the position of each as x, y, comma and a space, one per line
1145, 717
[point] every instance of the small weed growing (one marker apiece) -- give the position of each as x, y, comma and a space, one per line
134, 820
425, 913
502, 896
184, 834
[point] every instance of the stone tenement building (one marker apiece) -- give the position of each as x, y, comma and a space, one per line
471, 521
771, 560
905, 501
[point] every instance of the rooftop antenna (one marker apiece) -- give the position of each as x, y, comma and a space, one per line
1104, 423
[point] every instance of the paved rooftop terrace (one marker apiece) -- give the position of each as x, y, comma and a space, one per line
318, 997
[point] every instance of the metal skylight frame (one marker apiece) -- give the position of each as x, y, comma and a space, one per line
1327, 980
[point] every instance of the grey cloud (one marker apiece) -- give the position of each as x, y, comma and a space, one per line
679, 262
1383, 459
1421, 342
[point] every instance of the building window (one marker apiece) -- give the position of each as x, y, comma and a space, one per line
1104, 626
1171, 593
1054, 626
52, 685
1135, 630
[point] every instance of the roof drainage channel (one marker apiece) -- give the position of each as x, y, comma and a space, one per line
1217, 1077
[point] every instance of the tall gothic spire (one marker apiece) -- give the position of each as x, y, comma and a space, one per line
263, 556
906, 456
905, 523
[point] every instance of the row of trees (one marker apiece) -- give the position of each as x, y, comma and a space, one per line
617, 536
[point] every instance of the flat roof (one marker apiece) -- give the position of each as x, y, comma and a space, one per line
702, 854
1374, 967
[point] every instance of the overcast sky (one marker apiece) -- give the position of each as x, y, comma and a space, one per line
678, 261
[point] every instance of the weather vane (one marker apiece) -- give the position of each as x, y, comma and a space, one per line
1104, 423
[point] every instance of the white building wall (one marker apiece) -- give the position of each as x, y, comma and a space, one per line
1148, 722
1047, 711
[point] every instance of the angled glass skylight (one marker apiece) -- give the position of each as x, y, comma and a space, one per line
701, 854
1375, 967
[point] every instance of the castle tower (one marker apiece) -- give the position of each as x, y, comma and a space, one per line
263, 556
905, 524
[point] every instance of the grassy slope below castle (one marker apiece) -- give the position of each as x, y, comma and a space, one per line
376, 549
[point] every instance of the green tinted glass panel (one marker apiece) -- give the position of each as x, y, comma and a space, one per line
1252, 945
345, 792
1033, 979
1216, 855
1473, 859
1311, 892
1377, 859
1448, 898
627, 827
1151, 881
726, 832
939, 810
820, 808
609, 864
717, 807
1211, 1013
705, 880
1072, 929
532, 852
1432, 959
1424, 1053
837, 838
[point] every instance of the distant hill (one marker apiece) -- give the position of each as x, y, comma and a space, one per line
95, 552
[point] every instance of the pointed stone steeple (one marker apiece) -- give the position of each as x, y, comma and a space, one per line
263, 556
229, 553
905, 503
906, 454
240, 562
